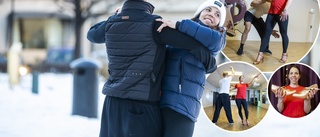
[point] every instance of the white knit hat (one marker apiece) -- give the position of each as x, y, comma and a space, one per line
213, 3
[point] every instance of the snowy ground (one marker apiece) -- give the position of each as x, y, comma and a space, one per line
48, 114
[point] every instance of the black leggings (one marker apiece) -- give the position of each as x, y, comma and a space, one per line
271, 21
258, 23
242, 102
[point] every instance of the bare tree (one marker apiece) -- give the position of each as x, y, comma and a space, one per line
83, 11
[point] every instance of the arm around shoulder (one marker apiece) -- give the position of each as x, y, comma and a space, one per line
177, 39
213, 39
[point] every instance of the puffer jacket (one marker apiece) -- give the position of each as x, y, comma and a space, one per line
136, 51
184, 78
214, 40
136, 60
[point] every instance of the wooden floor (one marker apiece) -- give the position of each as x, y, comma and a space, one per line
255, 116
296, 51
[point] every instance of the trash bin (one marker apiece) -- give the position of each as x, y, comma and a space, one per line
85, 87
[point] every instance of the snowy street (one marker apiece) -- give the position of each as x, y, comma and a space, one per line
48, 114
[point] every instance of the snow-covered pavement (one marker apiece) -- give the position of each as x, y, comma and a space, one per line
48, 114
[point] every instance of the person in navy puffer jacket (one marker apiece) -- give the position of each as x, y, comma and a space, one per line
136, 54
184, 79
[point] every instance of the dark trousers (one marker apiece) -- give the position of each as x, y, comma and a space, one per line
242, 102
258, 23
176, 124
223, 100
271, 21
130, 118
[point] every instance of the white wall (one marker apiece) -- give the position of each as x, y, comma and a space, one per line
315, 60
207, 96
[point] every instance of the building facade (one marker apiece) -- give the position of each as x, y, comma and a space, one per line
40, 25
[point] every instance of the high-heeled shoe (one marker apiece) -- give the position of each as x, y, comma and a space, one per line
274, 89
243, 122
248, 124
283, 58
314, 86
303, 94
259, 59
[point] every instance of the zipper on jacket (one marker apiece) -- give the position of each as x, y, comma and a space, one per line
180, 86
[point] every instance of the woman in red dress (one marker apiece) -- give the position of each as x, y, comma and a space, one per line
298, 104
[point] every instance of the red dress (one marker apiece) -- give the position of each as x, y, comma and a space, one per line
293, 107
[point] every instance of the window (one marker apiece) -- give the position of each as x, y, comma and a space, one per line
33, 33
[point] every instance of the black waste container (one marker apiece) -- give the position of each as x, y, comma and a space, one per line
85, 87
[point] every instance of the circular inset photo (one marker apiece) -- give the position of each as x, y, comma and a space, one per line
257, 34
235, 96
293, 90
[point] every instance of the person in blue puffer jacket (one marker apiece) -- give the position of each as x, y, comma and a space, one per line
184, 79
136, 55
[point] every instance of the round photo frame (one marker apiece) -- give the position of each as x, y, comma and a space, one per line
293, 90
247, 98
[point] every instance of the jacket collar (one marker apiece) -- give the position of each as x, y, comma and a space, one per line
198, 21
138, 5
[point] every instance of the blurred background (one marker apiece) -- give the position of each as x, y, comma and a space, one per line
46, 62
49, 34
